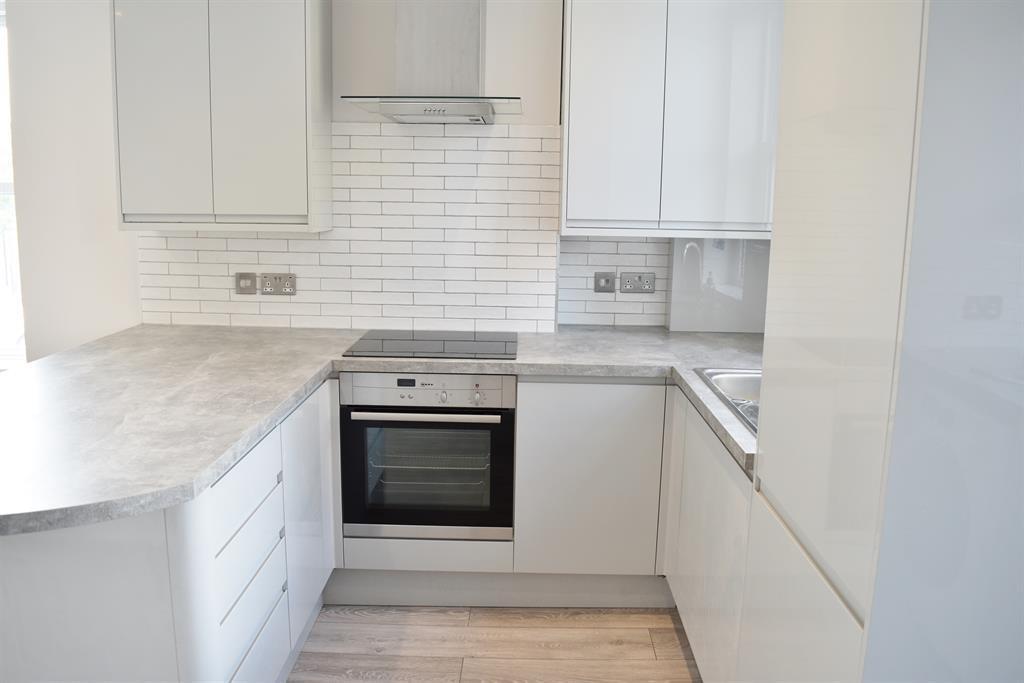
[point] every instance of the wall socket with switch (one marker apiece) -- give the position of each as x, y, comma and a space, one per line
636, 283
279, 284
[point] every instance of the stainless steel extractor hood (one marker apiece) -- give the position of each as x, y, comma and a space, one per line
416, 62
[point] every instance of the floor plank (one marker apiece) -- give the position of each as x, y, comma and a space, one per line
671, 643
543, 617
473, 641
316, 667
422, 616
570, 671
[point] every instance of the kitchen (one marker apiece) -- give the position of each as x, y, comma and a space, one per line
593, 340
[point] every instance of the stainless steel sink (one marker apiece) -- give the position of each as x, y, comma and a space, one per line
740, 389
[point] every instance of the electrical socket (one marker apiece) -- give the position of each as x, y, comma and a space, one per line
246, 283
604, 282
636, 283
280, 284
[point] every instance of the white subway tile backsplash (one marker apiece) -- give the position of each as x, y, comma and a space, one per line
435, 227
581, 257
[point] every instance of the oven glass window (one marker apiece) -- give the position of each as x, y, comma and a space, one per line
428, 468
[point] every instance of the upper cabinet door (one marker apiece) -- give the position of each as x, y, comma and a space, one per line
163, 106
258, 85
614, 117
721, 94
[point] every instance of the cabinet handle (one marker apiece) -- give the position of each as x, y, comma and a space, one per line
280, 534
284, 587
280, 476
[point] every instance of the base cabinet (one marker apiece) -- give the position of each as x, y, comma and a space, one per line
588, 475
307, 464
794, 626
706, 575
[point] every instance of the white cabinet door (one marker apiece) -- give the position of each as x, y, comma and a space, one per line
258, 98
794, 626
721, 94
616, 84
713, 524
308, 509
588, 471
163, 106
676, 407
836, 275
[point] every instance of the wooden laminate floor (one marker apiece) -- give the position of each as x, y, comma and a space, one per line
525, 645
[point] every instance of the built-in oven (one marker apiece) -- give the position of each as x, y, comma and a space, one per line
427, 456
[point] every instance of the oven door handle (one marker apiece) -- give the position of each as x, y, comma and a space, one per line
426, 417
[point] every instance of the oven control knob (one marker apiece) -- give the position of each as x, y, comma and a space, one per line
444, 397
401, 396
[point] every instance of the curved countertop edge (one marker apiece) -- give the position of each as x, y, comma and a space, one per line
161, 499
738, 440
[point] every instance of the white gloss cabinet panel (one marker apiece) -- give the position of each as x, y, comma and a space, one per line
711, 551
614, 118
306, 452
794, 627
846, 135
162, 73
258, 107
87, 603
721, 74
588, 470
676, 407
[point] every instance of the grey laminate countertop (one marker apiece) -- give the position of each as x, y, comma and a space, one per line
149, 417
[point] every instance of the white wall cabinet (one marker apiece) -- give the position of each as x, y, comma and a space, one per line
588, 471
163, 106
616, 90
222, 113
307, 454
258, 107
708, 572
721, 73
670, 117
794, 626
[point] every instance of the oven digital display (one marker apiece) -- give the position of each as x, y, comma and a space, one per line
406, 382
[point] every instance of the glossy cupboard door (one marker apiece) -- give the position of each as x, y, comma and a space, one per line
721, 98
676, 408
258, 87
162, 71
794, 626
614, 115
711, 551
308, 509
588, 473
846, 143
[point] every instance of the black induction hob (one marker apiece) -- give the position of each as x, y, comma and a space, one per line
435, 344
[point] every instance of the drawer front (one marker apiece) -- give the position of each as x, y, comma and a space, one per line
240, 559
428, 555
269, 653
232, 499
239, 628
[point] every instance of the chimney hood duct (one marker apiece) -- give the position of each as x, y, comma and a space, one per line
418, 62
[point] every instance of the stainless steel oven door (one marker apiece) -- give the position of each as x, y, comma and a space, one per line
427, 473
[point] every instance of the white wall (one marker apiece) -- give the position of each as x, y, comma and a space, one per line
949, 592
78, 273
